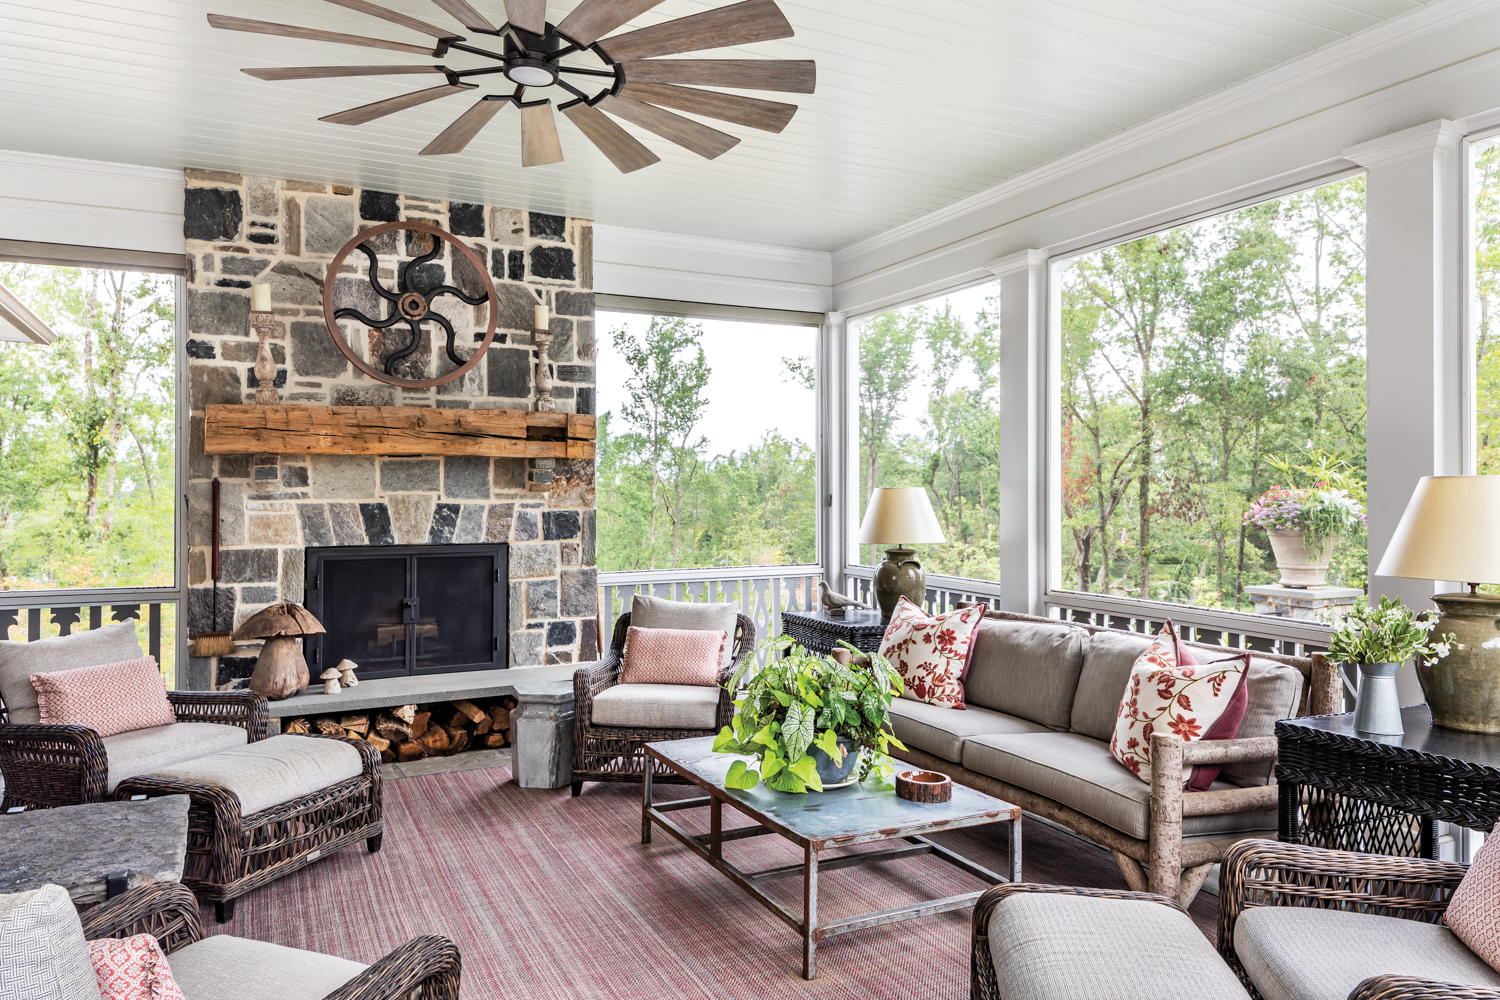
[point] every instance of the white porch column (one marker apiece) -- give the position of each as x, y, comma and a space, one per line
837, 448
1024, 449
1413, 288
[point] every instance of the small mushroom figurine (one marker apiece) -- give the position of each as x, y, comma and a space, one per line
280, 671
330, 679
346, 670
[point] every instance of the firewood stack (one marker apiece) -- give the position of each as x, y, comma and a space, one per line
413, 732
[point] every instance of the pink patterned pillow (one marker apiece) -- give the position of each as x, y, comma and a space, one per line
132, 968
110, 698
672, 656
1474, 912
1169, 690
931, 651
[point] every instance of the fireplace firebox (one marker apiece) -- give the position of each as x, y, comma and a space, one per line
400, 610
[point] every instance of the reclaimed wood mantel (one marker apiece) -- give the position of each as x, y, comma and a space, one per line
395, 430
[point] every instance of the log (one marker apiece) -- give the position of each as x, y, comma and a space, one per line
435, 740
459, 721
419, 724
378, 742
296, 726
458, 739
406, 713
470, 709
499, 717
410, 750
359, 725
484, 726
328, 727
496, 739
393, 728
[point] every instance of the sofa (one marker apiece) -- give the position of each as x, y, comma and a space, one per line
1042, 699
1295, 923
43, 766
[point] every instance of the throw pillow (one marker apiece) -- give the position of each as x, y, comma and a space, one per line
19, 660
110, 698
931, 652
672, 656
1169, 691
658, 612
132, 968
1474, 912
42, 951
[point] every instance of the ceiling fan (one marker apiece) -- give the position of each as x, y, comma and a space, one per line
619, 75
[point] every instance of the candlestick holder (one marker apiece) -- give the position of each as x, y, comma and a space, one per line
544, 401
265, 365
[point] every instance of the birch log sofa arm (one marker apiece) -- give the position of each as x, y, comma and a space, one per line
426, 967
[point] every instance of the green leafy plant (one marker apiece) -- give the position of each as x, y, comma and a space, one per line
801, 701
1390, 633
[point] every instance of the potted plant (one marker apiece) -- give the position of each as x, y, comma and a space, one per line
1304, 526
1380, 639
808, 719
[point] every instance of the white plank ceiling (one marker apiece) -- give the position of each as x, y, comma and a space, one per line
919, 102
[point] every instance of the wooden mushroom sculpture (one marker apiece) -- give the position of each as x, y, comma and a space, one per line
280, 672
330, 679
346, 670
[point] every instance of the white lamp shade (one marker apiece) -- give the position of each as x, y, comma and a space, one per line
1450, 531
900, 515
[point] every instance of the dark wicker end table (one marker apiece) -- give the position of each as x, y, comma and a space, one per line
1352, 791
821, 632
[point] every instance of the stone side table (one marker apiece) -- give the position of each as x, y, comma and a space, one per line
78, 847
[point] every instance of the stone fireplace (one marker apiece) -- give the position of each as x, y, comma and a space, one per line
242, 230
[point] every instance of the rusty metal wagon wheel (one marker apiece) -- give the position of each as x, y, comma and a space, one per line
409, 304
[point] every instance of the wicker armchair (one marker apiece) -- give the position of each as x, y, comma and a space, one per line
615, 753
45, 766
427, 967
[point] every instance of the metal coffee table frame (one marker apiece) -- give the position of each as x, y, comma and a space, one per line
968, 808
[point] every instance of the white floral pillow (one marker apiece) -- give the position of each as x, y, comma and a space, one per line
1169, 691
931, 651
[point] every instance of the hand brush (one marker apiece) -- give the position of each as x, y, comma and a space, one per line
214, 643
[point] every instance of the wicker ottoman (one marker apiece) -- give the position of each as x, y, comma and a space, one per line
266, 809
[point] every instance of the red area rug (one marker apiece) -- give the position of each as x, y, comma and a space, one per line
554, 898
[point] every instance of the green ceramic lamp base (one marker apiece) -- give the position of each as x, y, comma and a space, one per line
900, 575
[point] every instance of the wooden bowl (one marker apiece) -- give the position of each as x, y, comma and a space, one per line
924, 786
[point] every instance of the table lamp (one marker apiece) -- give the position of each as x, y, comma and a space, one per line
899, 516
1451, 531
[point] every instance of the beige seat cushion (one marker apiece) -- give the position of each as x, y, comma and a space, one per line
1026, 669
231, 968
142, 751
1053, 946
658, 706
658, 612
1296, 953
941, 730
42, 951
1080, 773
19, 660
273, 771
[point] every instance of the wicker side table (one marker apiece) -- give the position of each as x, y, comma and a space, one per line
1352, 791
821, 632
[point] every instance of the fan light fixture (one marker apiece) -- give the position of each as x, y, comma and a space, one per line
615, 77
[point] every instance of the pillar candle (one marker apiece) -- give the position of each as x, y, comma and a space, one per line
543, 321
260, 298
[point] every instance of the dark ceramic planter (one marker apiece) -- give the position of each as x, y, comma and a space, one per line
833, 774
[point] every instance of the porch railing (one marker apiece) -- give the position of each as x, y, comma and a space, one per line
943, 592
1237, 630
43, 614
761, 592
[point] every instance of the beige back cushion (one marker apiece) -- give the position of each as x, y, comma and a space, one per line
1101, 683
1026, 669
1275, 690
19, 660
658, 612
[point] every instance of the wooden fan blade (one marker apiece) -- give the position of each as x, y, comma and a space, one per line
795, 76
737, 24
539, 142
457, 136
293, 31
768, 116
622, 148
528, 15
375, 10
593, 19
322, 72
466, 15
389, 106
706, 142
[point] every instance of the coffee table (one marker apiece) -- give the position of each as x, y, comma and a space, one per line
86, 848
819, 821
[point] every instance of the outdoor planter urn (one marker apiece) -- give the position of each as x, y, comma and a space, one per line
1298, 565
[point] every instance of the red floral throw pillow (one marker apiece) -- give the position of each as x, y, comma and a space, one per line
110, 698
931, 651
1169, 691
1474, 912
132, 968
672, 656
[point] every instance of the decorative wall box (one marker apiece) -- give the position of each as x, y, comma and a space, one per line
395, 430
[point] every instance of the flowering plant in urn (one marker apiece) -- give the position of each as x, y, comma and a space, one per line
1304, 525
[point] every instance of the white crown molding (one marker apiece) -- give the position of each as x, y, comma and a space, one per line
1267, 85
1439, 136
1021, 260
58, 199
